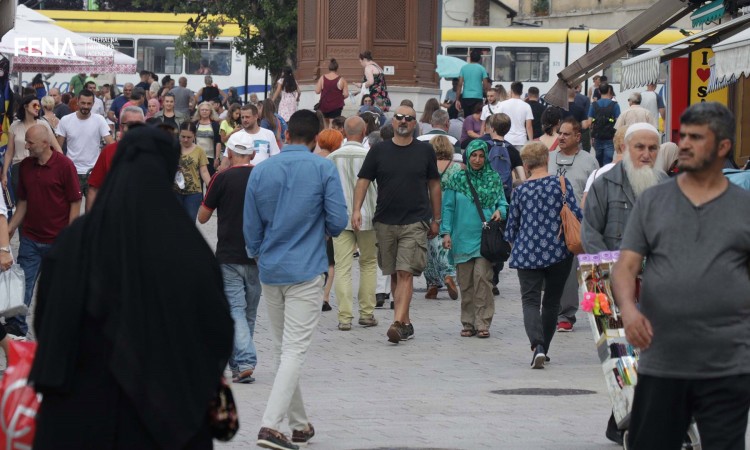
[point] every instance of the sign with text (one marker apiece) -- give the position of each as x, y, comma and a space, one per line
700, 76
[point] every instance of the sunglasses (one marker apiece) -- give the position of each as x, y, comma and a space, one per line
400, 117
35, 106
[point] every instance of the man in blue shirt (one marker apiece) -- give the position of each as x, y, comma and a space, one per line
292, 202
472, 82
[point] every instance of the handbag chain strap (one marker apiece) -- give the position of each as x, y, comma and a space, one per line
476, 199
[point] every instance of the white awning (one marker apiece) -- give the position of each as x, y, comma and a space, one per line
732, 57
644, 69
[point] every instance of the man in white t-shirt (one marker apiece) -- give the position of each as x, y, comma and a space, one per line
521, 116
653, 103
253, 136
83, 132
492, 107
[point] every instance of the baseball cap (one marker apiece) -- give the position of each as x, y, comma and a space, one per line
240, 148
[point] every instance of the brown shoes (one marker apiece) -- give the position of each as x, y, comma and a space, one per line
451, 286
432, 292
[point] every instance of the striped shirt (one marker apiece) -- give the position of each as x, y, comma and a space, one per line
348, 160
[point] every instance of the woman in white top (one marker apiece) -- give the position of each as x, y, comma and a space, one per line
27, 115
48, 111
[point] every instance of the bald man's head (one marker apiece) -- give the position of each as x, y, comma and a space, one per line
37, 140
354, 129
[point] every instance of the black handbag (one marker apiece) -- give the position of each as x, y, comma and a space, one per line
222, 413
493, 247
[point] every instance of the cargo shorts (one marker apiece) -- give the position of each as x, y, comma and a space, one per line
402, 247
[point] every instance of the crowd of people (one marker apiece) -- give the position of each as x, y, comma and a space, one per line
299, 194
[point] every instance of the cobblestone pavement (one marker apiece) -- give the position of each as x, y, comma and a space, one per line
436, 391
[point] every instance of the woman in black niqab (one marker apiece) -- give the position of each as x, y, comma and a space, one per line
133, 327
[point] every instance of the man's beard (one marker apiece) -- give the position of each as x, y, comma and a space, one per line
640, 179
403, 130
84, 111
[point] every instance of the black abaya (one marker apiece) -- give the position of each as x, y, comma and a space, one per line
133, 327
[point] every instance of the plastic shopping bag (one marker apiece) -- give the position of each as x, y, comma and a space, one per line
18, 401
12, 288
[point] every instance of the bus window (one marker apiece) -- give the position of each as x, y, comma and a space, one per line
463, 53
521, 64
126, 46
214, 61
158, 55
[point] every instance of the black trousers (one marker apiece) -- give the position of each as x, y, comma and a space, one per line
663, 408
540, 313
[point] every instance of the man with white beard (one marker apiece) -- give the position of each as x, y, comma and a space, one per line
612, 196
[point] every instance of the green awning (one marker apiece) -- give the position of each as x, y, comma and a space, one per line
708, 13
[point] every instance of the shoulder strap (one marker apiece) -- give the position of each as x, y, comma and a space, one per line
564, 190
476, 197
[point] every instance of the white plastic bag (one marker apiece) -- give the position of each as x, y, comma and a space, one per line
12, 290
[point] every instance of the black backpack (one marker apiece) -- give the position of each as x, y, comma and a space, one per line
603, 123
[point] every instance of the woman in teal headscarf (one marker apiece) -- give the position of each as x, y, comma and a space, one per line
461, 230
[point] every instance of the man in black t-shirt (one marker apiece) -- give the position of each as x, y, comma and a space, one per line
241, 283
537, 108
406, 215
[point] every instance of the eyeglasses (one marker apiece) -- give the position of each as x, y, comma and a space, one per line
400, 117
35, 106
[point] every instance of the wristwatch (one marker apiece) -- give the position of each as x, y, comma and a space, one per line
5, 249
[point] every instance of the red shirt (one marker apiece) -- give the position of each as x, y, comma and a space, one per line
102, 166
49, 190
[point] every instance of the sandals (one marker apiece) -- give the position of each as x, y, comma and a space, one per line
483, 334
468, 333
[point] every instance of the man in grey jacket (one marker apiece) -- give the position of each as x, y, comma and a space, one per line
611, 198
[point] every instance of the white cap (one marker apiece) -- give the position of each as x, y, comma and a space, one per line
641, 126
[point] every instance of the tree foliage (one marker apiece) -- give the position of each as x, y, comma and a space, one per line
268, 28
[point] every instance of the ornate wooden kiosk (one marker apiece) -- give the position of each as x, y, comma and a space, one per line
403, 37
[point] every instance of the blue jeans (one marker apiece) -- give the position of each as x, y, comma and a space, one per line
30, 256
242, 288
605, 151
191, 203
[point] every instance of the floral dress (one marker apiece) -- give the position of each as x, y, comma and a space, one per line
438, 258
378, 89
288, 103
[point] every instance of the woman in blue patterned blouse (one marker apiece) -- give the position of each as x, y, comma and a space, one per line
539, 252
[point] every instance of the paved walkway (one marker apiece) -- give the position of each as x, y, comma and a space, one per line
436, 391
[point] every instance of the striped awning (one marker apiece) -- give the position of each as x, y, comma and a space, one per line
715, 83
732, 56
708, 13
644, 69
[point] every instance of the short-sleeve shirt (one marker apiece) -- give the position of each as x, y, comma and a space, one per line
488, 110
576, 169
226, 192
190, 165
473, 75
182, 96
102, 166
537, 109
534, 223
402, 174
263, 142
117, 105
519, 112
696, 289
83, 138
49, 190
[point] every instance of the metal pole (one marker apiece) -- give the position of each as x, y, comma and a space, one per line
265, 85
246, 77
